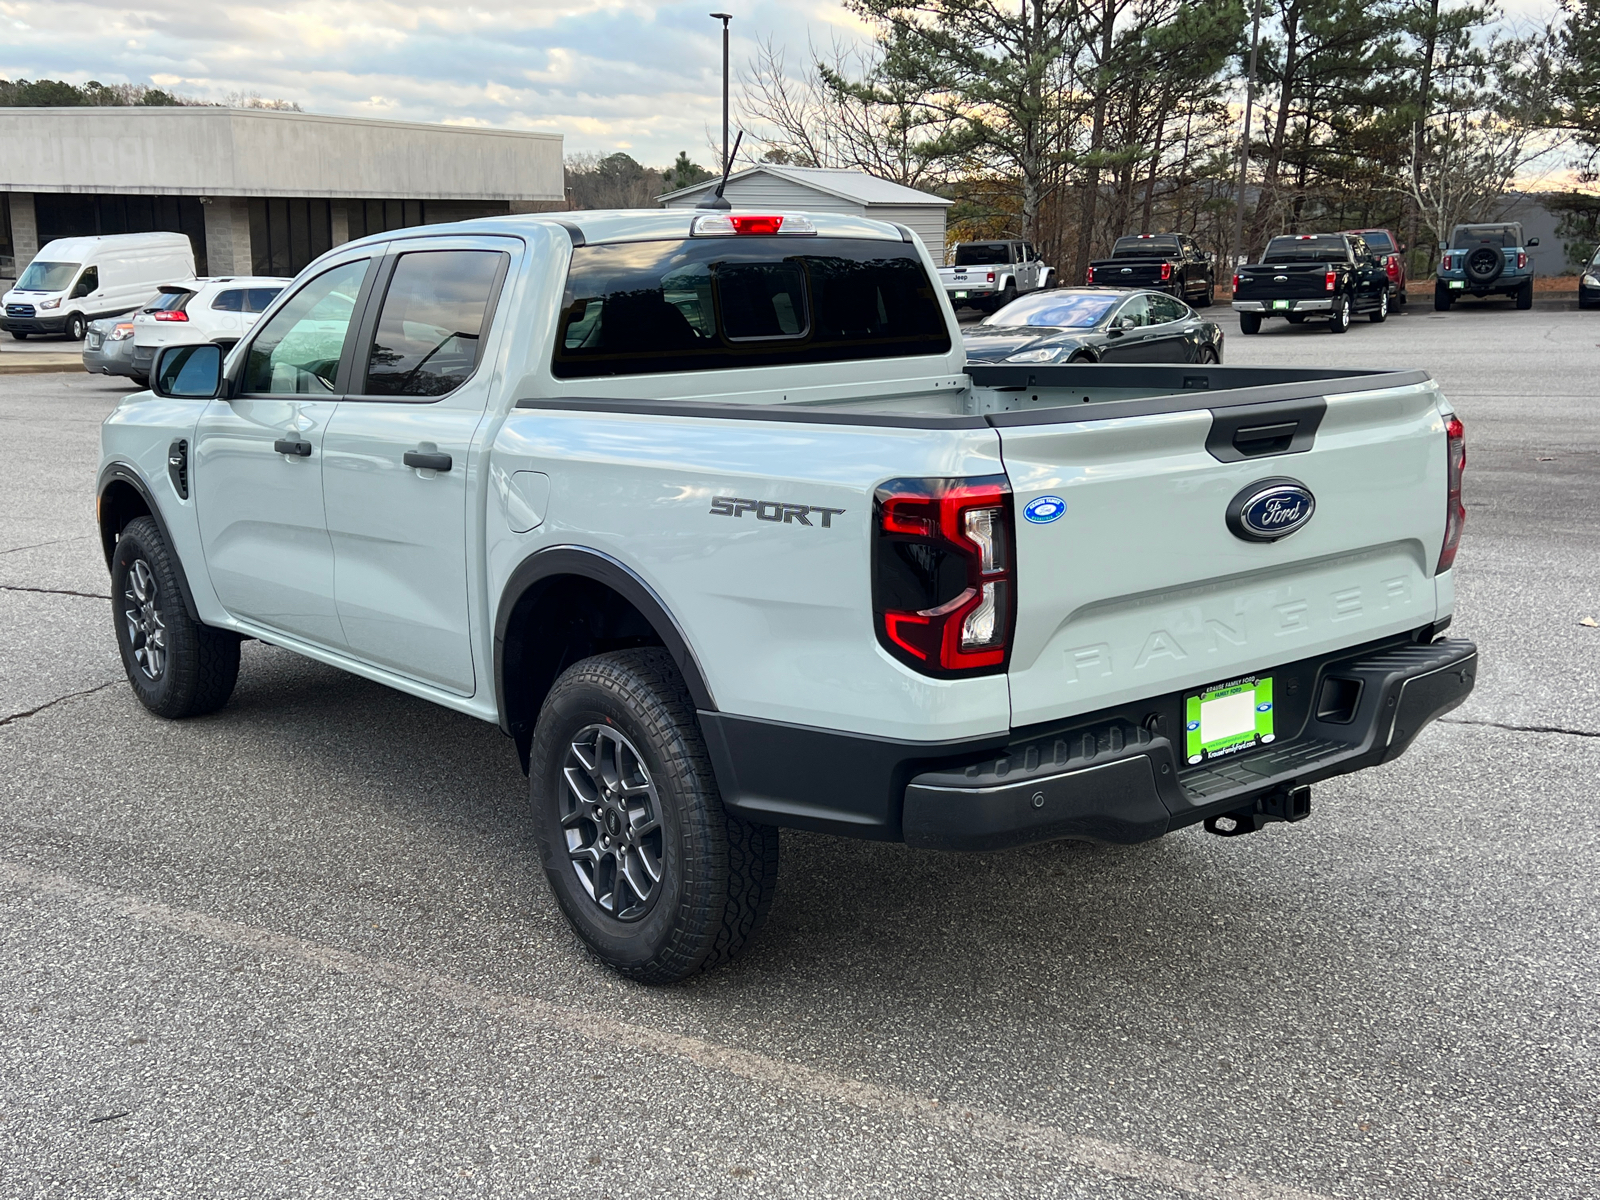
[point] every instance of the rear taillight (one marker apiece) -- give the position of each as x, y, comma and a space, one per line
943, 574
1522, 259
170, 314
1444, 263
1455, 515
991, 276
1089, 278
1166, 272
1236, 283
1329, 280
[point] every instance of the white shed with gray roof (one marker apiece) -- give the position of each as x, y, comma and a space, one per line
821, 189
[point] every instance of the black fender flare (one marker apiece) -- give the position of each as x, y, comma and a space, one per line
121, 472
603, 568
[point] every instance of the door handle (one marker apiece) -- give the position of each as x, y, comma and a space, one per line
292, 446
426, 462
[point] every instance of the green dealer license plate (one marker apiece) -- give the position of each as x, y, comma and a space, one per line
1280, 304
1458, 283
1227, 719
961, 295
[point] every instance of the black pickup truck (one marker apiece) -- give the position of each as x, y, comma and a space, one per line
1332, 275
1161, 262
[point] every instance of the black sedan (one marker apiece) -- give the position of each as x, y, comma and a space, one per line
1092, 324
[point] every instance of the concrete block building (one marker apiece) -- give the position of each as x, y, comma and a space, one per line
257, 191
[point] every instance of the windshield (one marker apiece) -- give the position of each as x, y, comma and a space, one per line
983, 254
1056, 310
1378, 241
1470, 237
1144, 247
1313, 247
709, 303
47, 277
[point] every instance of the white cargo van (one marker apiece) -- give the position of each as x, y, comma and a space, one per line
73, 281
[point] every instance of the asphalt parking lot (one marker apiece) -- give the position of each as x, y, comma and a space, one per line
303, 948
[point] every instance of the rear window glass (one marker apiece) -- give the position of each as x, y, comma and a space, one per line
1136, 247
1500, 236
983, 254
170, 301
710, 303
1378, 242
1318, 247
231, 300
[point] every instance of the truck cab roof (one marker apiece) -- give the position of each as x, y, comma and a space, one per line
599, 226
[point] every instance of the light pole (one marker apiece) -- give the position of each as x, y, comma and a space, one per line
1244, 149
724, 18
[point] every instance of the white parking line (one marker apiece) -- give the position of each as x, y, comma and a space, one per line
1114, 1158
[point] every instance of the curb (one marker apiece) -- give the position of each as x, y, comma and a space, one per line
40, 368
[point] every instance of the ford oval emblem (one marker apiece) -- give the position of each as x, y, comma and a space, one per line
1044, 509
1270, 509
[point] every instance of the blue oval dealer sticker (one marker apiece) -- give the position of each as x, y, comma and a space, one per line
1044, 509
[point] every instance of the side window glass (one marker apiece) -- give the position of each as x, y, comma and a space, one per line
431, 326
229, 301
257, 300
1135, 313
88, 282
298, 348
1164, 309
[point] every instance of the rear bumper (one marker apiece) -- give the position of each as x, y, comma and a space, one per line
1265, 306
1112, 776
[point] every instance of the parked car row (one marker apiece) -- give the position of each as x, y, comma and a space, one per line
74, 281
193, 312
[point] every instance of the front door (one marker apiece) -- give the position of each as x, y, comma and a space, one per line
398, 459
258, 463
1129, 325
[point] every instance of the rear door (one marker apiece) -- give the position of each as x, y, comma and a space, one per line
399, 462
1141, 589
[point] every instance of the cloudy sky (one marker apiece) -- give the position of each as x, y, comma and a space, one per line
608, 74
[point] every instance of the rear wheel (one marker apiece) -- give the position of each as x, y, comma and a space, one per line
177, 666
1006, 297
1525, 295
1399, 297
1249, 322
1339, 320
1210, 296
1380, 314
657, 878
1443, 298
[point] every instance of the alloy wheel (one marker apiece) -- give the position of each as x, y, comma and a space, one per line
141, 613
611, 818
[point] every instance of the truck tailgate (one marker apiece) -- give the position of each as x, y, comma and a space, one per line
1277, 281
1139, 587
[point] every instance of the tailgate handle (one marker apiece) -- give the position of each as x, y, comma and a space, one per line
1265, 439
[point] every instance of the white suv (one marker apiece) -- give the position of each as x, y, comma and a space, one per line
221, 309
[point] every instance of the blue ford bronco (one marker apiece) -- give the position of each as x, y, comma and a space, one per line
1485, 260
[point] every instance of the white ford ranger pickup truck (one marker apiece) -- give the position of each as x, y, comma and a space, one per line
709, 514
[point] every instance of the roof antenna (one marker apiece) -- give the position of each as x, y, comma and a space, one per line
716, 201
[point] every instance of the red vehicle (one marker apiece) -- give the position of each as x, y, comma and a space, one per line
1391, 252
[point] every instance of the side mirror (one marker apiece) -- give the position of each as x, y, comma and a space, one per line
1444, 245
1532, 242
1402, 247
187, 372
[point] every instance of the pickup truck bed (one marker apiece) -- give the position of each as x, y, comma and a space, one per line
857, 586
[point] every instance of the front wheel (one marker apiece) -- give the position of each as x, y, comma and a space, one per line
1380, 314
177, 666
1525, 295
1210, 358
1340, 317
76, 327
654, 875
1249, 322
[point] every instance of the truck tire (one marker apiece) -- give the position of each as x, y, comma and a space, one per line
657, 879
1249, 322
1525, 295
1007, 295
1339, 318
76, 328
1210, 296
1380, 314
176, 666
1443, 298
